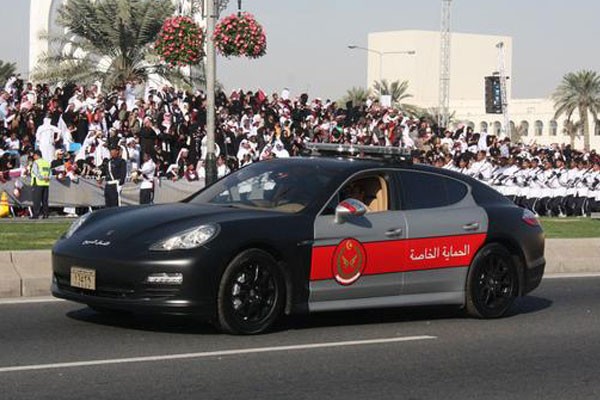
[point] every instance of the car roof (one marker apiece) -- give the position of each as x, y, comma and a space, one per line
351, 165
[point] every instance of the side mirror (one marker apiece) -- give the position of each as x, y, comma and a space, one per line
349, 208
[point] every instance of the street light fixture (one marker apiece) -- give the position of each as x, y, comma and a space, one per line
381, 54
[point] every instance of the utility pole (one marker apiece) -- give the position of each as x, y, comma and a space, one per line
503, 92
445, 42
211, 77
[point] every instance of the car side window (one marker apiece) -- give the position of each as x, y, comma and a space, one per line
455, 190
372, 190
423, 190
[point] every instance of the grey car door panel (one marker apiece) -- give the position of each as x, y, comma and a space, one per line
347, 258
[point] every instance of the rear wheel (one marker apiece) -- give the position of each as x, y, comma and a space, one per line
492, 282
251, 293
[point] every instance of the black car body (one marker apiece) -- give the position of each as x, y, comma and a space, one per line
307, 234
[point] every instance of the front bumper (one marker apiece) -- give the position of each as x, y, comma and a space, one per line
139, 306
121, 284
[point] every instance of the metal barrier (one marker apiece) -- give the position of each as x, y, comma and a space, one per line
90, 193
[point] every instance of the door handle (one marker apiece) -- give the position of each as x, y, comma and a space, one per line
393, 232
473, 226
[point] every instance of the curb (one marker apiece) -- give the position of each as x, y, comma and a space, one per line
29, 273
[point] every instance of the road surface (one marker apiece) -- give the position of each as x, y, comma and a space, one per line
549, 348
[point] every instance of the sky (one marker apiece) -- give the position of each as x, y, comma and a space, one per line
308, 39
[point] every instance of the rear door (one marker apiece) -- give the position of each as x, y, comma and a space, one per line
445, 229
355, 263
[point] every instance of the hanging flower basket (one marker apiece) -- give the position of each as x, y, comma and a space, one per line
180, 41
240, 36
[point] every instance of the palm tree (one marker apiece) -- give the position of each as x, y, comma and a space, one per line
107, 40
432, 115
578, 91
357, 95
398, 92
6, 71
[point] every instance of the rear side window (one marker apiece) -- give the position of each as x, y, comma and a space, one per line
422, 190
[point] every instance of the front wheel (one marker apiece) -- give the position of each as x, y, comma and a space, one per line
492, 282
251, 293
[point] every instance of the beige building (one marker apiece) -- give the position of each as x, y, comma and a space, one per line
473, 57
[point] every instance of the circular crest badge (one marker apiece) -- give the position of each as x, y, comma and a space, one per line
349, 261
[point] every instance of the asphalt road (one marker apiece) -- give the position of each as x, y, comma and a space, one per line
548, 349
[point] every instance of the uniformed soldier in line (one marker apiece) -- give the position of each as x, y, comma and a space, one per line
521, 178
463, 164
115, 173
40, 183
535, 185
481, 169
575, 187
572, 178
547, 176
498, 174
594, 194
581, 200
591, 181
564, 183
558, 184
508, 180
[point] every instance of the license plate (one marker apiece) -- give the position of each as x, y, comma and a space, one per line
83, 278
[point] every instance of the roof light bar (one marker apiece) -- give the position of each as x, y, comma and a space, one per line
360, 151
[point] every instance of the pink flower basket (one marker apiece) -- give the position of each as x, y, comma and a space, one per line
240, 36
180, 41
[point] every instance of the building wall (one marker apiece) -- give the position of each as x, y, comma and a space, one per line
473, 57
535, 114
39, 22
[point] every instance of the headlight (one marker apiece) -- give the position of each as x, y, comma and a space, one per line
189, 239
76, 225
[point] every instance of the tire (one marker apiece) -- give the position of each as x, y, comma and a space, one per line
492, 283
251, 294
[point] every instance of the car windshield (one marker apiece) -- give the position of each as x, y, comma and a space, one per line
285, 187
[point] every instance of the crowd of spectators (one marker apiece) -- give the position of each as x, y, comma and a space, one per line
74, 126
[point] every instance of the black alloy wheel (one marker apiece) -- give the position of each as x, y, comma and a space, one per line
492, 283
251, 293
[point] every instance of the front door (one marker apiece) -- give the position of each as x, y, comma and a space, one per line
355, 263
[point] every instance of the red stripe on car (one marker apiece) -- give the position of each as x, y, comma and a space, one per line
404, 255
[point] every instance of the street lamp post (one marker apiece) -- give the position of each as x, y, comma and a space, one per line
381, 54
211, 76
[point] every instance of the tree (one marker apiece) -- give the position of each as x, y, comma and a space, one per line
107, 40
398, 91
6, 71
357, 95
432, 115
578, 91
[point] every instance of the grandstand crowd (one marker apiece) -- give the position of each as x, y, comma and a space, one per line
74, 127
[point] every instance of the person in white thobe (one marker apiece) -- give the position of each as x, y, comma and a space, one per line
44, 139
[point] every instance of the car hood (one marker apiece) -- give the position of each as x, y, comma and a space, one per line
150, 223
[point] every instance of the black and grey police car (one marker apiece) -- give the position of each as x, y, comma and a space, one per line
344, 227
